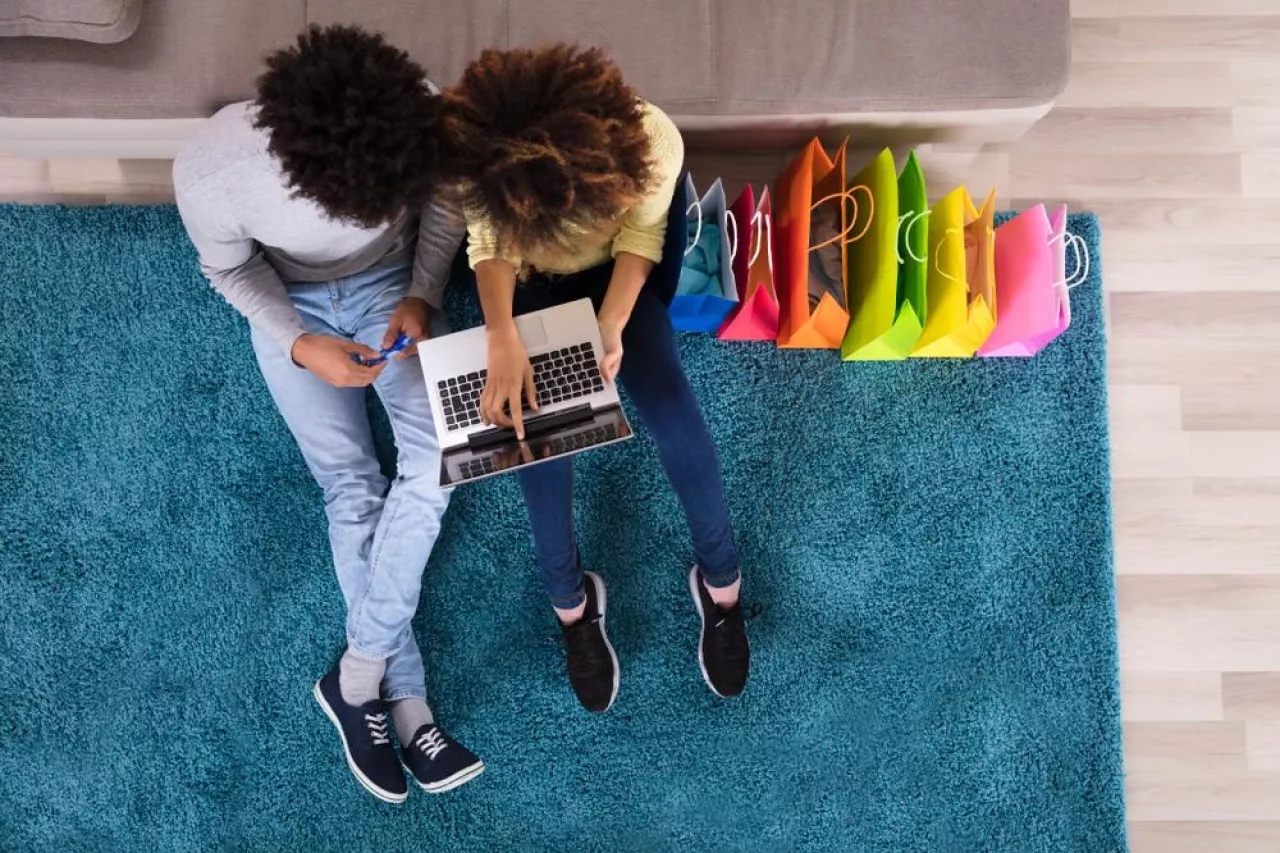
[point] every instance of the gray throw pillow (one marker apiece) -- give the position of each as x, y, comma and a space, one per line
103, 21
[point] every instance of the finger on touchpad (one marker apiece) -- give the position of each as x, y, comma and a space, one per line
531, 332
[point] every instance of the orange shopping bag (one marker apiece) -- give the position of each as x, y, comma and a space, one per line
816, 211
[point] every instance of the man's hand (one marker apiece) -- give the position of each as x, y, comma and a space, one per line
410, 318
611, 339
330, 359
509, 373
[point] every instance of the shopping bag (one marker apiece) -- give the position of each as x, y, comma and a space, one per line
885, 322
814, 221
706, 291
1031, 281
756, 318
913, 250
961, 297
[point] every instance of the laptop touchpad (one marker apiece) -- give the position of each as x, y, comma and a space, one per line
532, 332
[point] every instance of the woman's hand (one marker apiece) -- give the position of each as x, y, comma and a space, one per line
629, 275
509, 374
331, 359
611, 340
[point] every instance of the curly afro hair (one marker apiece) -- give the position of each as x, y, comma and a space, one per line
546, 142
353, 124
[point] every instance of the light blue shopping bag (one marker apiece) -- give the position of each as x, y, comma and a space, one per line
707, 291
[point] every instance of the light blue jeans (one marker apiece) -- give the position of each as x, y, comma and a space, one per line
381, 536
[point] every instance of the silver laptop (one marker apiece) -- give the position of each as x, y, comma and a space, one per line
577, 411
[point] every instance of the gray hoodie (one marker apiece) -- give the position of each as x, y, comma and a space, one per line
255, 238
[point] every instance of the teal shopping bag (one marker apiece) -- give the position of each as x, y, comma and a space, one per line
707, 290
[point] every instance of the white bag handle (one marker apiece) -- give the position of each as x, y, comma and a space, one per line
762, 225
906, 238
956, 231
697, 204
1076, 243
732, 237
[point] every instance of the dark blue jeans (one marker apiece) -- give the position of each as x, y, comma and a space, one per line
654, 379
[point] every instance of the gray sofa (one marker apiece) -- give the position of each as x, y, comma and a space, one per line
749, 73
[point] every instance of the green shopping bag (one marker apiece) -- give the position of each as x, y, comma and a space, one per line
887, 271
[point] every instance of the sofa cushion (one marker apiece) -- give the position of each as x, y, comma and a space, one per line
443, 35
763, 57
712, 59
668, 54
187, 60
105, 21
905, 55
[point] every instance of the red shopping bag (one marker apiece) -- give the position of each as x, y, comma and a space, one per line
757, 317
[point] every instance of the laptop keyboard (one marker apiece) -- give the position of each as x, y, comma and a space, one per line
484, 465
473, 468
564, 374
583, 440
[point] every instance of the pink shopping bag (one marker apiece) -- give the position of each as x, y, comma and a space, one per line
1031, 282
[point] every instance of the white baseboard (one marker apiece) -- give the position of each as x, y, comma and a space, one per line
161, 139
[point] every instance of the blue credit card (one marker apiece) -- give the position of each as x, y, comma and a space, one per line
397, 346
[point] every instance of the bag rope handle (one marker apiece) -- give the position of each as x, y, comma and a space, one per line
849, 194
696, 205
1081, 249
762, 224
732, 237
906, 238
951, 232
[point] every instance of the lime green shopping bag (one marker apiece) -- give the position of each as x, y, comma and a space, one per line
887, 269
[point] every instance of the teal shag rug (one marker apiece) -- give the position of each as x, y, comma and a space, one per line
929, 542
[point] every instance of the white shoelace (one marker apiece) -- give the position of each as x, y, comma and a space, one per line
432, 743
377, 724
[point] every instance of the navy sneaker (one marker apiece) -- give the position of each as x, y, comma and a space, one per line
438, 762
366, 740
723, 651
592, 664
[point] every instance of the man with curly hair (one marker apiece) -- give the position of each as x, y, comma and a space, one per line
315, 214
568, 179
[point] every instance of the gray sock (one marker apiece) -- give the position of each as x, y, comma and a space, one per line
409, 715
359, 677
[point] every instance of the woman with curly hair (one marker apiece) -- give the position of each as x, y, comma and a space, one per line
312, 211
567, 178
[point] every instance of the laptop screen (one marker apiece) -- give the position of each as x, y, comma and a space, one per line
464, 464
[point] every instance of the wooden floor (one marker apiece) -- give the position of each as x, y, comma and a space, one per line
1170, 129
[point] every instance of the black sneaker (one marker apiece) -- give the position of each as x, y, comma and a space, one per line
723, 651
593, 667
366, 740
438, 762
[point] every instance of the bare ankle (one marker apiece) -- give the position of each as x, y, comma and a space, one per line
724, 596
569, 615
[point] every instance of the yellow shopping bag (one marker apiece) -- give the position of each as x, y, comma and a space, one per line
961, 286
